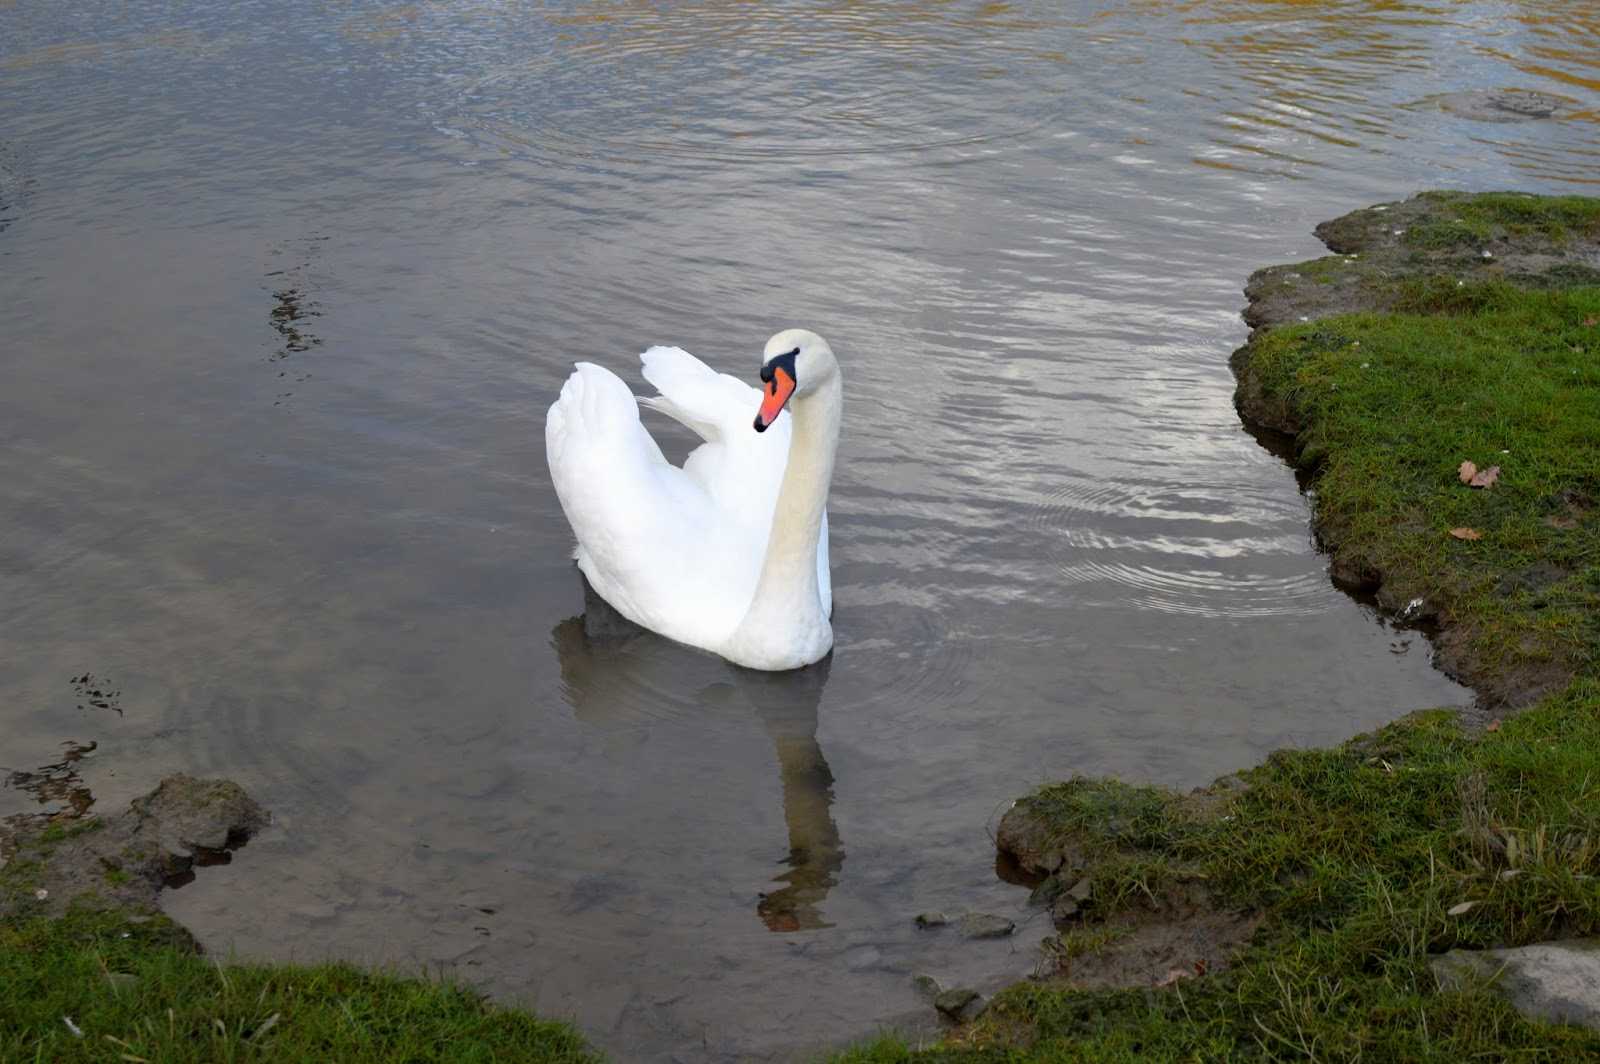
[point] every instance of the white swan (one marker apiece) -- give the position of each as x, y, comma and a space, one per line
730, 552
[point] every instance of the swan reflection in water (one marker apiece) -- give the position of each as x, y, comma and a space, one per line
606, 659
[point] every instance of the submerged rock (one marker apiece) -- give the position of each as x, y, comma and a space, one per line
932, 919
1501, 105
986, 925
1558, 982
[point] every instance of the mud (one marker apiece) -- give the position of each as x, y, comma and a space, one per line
1178, 932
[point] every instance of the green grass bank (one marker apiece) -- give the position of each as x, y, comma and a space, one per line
110, 986
1299, 901
90, 970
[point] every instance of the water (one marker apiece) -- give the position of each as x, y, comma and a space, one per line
285, 291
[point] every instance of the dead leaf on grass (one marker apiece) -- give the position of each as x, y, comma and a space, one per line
1173, 976
1466, 533
1468, 471
1461, 909
1485, 478
1493, 725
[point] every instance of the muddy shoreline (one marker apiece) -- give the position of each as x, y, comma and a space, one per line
122, 862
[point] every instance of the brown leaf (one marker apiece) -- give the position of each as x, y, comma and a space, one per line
1466, 533
1468, 471
1493, 725
1173, 976
1485, 478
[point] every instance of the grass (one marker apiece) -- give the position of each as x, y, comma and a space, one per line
1393, 403
134, 989
1357, 855
1480, 219
1425, 836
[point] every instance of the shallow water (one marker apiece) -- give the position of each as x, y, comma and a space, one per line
285, 290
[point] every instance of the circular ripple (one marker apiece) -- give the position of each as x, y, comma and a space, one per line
900, 650
755, 83
1208, 549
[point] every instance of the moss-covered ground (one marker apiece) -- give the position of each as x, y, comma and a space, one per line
110, 986
1436, 832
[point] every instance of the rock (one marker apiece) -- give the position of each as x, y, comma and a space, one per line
1558, 982
958, 1003
1028, 840
986, 925
1070, 903
927, 985
1046, 892
932, 919
189, 814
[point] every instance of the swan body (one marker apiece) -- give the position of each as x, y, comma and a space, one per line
728, 552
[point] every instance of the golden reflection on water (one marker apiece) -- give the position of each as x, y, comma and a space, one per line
1279, 77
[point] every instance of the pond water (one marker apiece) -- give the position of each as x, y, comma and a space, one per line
286, 288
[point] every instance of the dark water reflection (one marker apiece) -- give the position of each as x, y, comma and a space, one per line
601, 651
286, 288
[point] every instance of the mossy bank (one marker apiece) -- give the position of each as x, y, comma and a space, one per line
90, 970
1290, 911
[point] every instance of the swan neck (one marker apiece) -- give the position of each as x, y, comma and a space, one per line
789, 572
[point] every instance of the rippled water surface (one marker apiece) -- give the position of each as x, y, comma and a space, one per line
286, 288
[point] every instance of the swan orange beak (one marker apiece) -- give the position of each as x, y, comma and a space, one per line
779, 387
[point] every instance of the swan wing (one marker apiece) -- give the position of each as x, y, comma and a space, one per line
741, 469
651, 539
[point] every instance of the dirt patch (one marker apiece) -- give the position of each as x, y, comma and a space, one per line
1185, 940
125, 860
1172, 929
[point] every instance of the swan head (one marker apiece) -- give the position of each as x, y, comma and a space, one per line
795, 362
